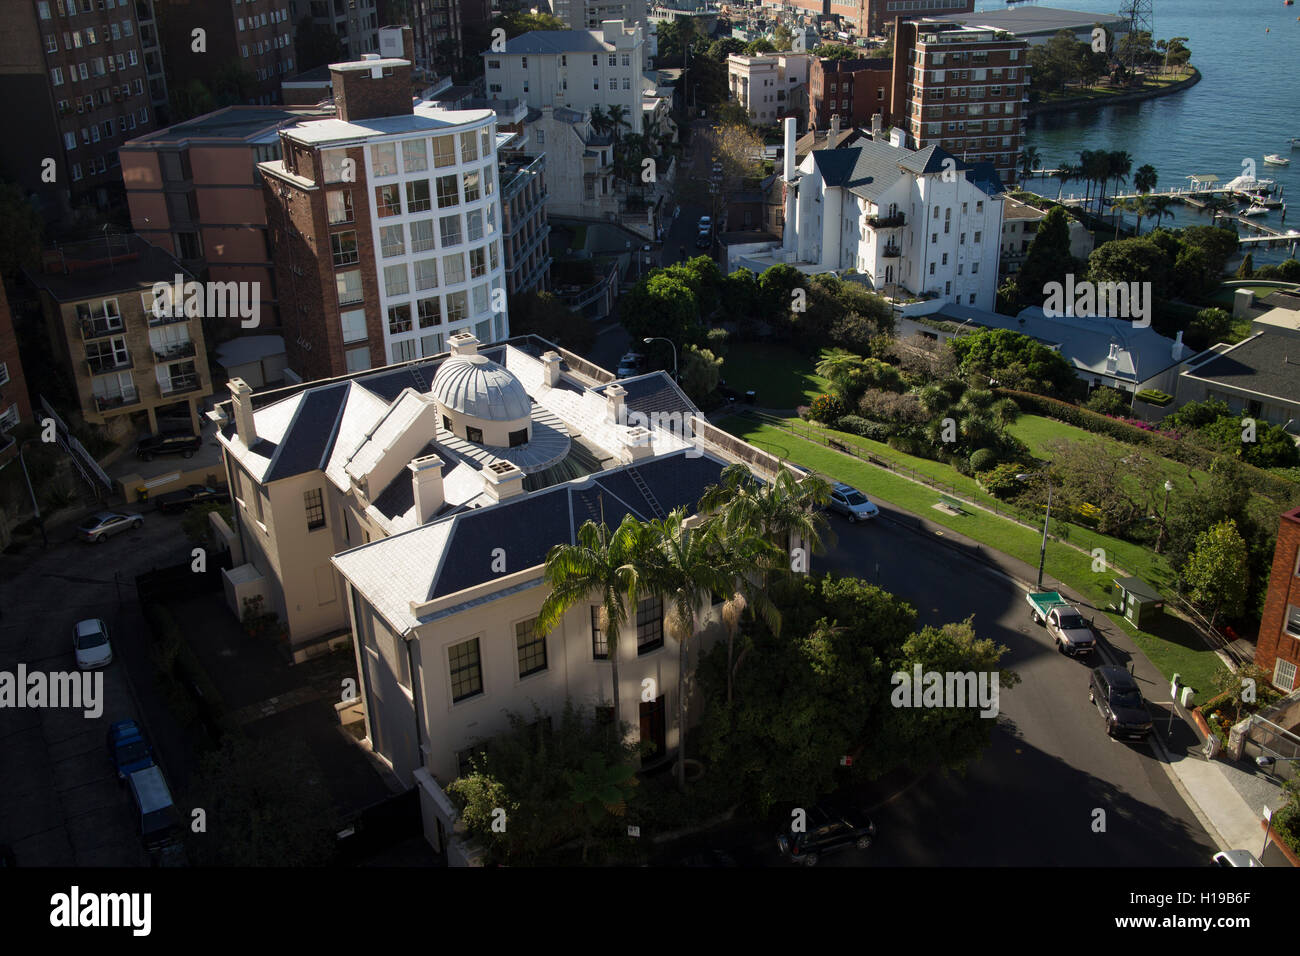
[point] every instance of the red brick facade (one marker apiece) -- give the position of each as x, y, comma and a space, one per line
1283, 593
854, 89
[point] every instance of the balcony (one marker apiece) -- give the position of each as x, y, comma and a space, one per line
886, 222
98, 328
889, 251
106, 403
103, 365
170, 353
165, 318
180, 384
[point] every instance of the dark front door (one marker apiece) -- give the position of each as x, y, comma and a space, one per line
653, 728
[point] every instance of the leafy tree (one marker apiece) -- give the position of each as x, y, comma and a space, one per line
700, 372
266, 805
1108, 401
836, 51
721, 49
190, 100
1218, 572
541, 313
519, 22
759, 47
600, 790
1247, 267
660, 304
1047, 260
1218, 244
782, 37
1213, 325
1015, 360
1123, 484
775, 286
1131, 260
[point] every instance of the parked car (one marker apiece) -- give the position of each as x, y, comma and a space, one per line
104, 524
1065, 625
190, 495
128, 748
1119, 699
159, 819
630, 364
703, 241
90, 644
181, 444
828, 828
853, 504
705, 224
1235, 858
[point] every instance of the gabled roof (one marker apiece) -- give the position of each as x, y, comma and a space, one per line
542, 42
871, 166
418, 565
309, 437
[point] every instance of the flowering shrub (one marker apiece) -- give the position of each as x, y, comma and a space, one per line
826, 408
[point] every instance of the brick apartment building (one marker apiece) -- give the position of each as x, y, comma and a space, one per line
854, 89
77, 78
126, 362
354, 22
876, 17
1278, 648
15, 403
448, 34
384, 225
256, 36
194, 190
963, 88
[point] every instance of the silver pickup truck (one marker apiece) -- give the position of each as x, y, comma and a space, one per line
1068, 628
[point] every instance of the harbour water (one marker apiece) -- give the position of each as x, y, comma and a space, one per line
1246, 105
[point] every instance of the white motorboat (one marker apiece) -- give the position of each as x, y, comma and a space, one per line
1277, 159
1255, 210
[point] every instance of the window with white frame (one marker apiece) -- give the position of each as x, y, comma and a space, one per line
1284, 674
354, 325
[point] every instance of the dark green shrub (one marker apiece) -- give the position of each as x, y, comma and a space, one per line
983, 459
1001, 482
865, 428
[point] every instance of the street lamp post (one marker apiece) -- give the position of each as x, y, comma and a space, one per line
1047, 520
659, 338
36, 509
1164, 514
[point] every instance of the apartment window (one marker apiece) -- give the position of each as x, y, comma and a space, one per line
971, 301
431, 344
1284, 674
343, 245
613, 83
494, 64
429, 313
947, 228
1292, 622
399, 318
488, 181
43, 9
426, 274
395, 280
422, 235
349, 286
70, 140
391, 241
56, 76
51, 43
595, 59
417, 195
947, 288
931, 268
383, 158
465, 669
314, 505
934, 238
444, 151
599, 641
358, 359
649, 625
415, 155
354, 325
977, 236
477, 263
945, 259
473, 224
493, 250
531, 646
471, 183
468, 147
979, 209
448, 191
449, 227
974, 268
627, 59
388, 201
332, 161
457, 309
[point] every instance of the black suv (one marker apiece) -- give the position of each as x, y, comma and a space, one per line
827, 828
174, 501
179, 444
1117, 696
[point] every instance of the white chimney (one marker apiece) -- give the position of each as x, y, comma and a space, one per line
502, 480
426, 483
1179, 350
835, 131
877, 122
1112, 359
791, 125
242, 400
551, 368
614, 396
636, 444
896, 137
463, 343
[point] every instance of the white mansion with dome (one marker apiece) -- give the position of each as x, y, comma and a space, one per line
411, 508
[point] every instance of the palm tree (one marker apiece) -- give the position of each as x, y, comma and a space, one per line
686, 567
1144, 180
1158, 206
1118, 165
1121, 206
1086, 168
1065, 172
606, 564
599, 121
617, 116
1029, 160
837, 366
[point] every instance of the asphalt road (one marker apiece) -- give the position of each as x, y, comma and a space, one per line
1033, 798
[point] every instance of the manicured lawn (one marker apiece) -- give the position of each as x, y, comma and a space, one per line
1174, 649
781, 376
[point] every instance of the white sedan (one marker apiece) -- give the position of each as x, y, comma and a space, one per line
90, 644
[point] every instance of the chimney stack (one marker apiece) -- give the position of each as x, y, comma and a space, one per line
614, 396
835, 131
791, 125
877, 122
426, 483
636, 444
502, 480
242, 400
463, 343
551, 368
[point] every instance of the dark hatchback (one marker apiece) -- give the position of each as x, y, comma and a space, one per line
1119, 699
187, 497
178, 444
828, 828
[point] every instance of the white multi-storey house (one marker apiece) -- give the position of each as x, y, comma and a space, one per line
770, 87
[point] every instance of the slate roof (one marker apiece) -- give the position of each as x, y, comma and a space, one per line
417, 565
542, 42
309, 437
654, 392
1266, 363
870, 167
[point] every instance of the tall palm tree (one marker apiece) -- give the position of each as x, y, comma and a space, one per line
1121, 206
599, 121
1086, 168
602, 564
1144, 180
1029, 161
617, 116
1065, 172
1159, 206
1118, 165
685, 567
